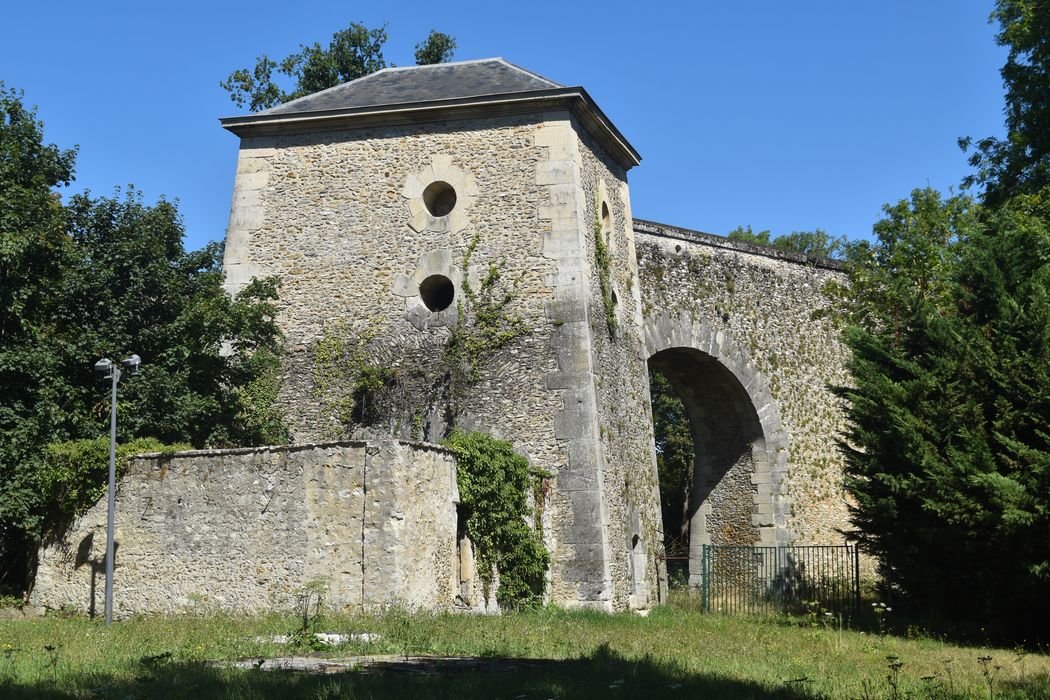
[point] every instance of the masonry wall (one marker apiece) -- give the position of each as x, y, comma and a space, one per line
768, 306
245, 530
339, 218
630, 485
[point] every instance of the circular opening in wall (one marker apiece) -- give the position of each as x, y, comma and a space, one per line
439, 198
437, 292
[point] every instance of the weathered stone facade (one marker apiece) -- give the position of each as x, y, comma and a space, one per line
375, 217
755, 315
373, 523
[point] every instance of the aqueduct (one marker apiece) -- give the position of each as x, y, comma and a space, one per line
380, 204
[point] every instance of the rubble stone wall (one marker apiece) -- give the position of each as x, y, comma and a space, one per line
245, 530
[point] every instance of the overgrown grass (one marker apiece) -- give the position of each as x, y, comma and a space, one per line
675, 652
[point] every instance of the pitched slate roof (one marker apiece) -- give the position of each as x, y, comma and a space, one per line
412, 84
443, 92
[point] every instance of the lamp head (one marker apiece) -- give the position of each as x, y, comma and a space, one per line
104, 368
132, 364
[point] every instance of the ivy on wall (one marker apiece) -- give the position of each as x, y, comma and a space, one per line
75, 476
493, 482
347, 382
602, 265
354, 390
484, 323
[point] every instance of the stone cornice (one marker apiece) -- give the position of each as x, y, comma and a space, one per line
573, 99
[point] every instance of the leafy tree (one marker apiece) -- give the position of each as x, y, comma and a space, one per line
352, 53
33, 252
1020, 163
948, 456
814, 243
674, 457
109, 277
438, 47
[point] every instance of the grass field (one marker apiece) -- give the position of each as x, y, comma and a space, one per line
674, 652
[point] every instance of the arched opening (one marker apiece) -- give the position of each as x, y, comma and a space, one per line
710, 446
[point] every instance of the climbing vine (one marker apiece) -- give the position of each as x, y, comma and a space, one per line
602, 263
355, 391
348, 383
493, 485
484, 324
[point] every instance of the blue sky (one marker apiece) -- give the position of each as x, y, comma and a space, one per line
782, 115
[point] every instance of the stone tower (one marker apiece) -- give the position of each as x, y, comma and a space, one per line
376, 201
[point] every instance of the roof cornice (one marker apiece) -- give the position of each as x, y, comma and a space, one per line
573, 99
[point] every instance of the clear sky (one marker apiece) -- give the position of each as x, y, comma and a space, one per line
782, 115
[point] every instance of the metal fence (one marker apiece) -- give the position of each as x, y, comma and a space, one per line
755, 580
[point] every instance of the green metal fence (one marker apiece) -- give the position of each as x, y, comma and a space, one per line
755, 580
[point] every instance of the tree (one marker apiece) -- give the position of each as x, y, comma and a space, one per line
352, 53
1020, 163
948, 457
816, 243
109, 276
674, 459
33, 252
438, 47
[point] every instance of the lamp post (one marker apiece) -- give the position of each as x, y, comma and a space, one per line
105, 369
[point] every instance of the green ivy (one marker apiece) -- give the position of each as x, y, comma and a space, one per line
76, 474
602, 263
483, 323
260, 411
493, 485
353, 390
347, 381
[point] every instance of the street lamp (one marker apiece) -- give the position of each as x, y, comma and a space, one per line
105, 369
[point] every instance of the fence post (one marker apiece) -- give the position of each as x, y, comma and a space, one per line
856, 579
705, 580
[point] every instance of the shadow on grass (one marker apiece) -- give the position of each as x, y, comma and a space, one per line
602, 674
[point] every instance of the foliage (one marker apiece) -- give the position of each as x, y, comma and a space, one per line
674, 457
1020, 163
109, 276
818, 243
911, 260
948, 456
484, 323
352, 53
34, 249
348, 382
438, 47
75, 474
424, 401
602, 264
493, 485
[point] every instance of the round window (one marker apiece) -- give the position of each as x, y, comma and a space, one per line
439, 198
437, 292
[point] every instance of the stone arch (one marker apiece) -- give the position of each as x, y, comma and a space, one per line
736, 424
